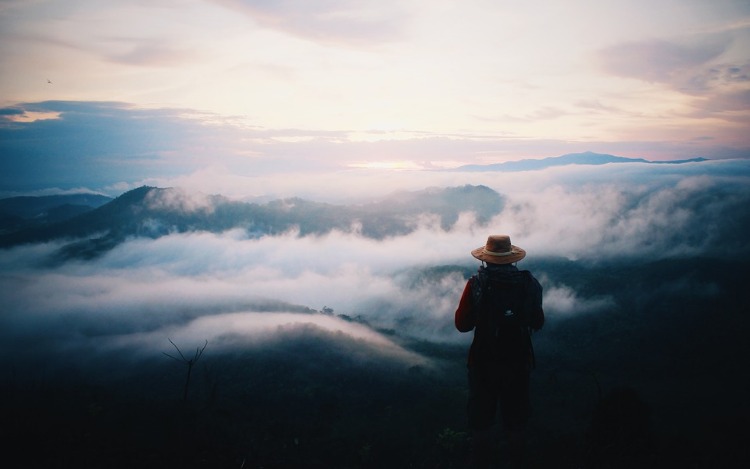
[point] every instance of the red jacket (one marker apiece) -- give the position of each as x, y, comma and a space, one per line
464, 319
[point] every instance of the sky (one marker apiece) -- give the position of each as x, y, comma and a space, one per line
106, 95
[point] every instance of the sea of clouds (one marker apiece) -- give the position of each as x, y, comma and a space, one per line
231, 289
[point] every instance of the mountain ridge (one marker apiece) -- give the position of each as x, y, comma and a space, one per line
23, 212
152, 212
584, 158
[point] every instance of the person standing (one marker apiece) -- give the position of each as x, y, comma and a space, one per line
502, 305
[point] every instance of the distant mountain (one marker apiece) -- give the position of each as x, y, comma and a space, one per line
586, 158
24, 212
153, 212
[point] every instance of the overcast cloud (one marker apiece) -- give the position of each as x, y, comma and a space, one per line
107, 94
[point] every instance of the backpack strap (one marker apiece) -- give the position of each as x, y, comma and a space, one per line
479, 285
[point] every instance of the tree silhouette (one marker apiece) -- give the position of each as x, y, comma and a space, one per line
188, 362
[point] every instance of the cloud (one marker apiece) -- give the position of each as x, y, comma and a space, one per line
342, 22
595, 105
730, 106
630, 217
545, 113
701, 68
561, 301
10, 111
143, 284
152, 52
258, 330
102, 143
109, 147
661, 60
719, 75
180, 200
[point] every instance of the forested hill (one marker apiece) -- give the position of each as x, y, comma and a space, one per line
17, 213
153, 212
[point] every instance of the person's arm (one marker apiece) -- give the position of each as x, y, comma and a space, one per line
535, 303
464, 317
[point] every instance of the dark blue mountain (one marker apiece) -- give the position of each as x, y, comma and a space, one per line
27, 211
153, 212
586, 158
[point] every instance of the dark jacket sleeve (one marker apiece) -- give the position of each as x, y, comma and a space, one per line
535, 305
464, 314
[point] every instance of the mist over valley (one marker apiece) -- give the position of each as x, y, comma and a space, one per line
328, 326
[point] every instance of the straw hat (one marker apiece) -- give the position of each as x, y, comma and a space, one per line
498, 250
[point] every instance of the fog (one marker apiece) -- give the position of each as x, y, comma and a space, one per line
202, 286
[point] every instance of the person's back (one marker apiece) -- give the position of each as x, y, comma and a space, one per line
505, 301
501, 304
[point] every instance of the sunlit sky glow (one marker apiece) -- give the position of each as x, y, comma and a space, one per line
387, 84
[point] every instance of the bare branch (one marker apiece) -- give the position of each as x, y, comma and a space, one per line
178, 349
172, 357
198, 353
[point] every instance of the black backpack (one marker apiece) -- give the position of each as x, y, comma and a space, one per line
502, 303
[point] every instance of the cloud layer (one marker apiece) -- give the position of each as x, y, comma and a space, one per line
196, 286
